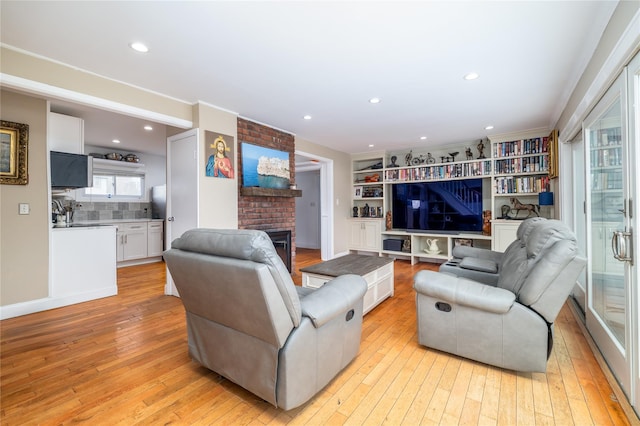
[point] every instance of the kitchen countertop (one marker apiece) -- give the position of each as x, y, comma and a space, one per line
106, 222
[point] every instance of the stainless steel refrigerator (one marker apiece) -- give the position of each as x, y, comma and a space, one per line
158, 201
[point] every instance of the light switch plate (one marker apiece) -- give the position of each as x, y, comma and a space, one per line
24, 208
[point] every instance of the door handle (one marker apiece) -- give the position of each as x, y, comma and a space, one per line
621, 246
170, 219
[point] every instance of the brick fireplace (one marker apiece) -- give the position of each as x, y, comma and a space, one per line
267, 213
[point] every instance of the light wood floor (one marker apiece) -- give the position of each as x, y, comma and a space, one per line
123, 361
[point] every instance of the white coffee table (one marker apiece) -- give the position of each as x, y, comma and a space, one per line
377, 272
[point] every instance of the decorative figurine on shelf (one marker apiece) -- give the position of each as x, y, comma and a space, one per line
468, 153
408, 158
406, 246
486, 222
432, 246
388, 223
531, 208
393, 162
453, 155
480, 147
505, 210
430, 159
355, 211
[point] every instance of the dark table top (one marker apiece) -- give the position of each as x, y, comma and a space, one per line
350, 264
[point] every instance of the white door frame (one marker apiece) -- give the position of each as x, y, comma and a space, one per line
326, 201
170, 287
633, 136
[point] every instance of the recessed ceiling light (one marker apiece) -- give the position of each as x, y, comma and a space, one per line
148, 128
489, 127
471, 76
374, 100
371, 145
423, 137
307, 117
116, 141
139, 47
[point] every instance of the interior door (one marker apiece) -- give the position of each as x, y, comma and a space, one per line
182, 189
608, 314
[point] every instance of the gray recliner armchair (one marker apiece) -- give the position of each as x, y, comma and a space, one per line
484, 265
247, 321
509, 325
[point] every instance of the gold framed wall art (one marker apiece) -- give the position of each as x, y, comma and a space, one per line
553, 154
14, 143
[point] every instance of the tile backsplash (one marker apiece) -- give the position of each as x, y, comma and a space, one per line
84, 211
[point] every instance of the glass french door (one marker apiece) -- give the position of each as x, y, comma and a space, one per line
609, 313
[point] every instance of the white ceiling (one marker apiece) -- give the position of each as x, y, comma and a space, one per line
275, 61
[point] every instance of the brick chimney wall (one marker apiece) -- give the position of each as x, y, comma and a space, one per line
267, 213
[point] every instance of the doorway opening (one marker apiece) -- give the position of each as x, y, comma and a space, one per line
306, 162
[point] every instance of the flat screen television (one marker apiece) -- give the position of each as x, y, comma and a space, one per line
69, 171
450, 206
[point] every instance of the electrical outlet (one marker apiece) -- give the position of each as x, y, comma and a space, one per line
24, 208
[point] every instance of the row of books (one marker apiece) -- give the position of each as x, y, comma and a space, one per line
442, 171
607, 137
607, 180
537, 163
521, 185
521, 147
606, 157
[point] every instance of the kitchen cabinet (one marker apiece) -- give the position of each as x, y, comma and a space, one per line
155, 238
131, 241
65, 133
364, 234
83, 263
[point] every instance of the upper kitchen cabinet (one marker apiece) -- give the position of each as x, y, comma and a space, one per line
66, 133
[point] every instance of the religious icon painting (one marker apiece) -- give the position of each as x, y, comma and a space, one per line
218, 151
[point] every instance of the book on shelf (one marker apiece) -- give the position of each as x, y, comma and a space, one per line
532, 164
440, 171
521, 184
521, 147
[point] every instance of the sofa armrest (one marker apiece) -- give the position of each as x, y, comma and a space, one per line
460, 252
334, 298
461, 291
479, 264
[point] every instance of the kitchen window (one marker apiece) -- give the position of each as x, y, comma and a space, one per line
119, 186
115, 181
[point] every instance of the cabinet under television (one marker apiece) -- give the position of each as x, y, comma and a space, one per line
428, 246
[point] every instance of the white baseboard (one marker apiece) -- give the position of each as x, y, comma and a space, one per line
39, 305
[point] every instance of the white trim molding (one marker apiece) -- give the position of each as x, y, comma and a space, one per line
42, 89
620, 55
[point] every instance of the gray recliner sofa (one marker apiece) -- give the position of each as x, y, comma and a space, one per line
247, 321
484, 265
509, 325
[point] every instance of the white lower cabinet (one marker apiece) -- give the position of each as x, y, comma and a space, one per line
364, 234
155, 239
504, 232
131, 241
83, 265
